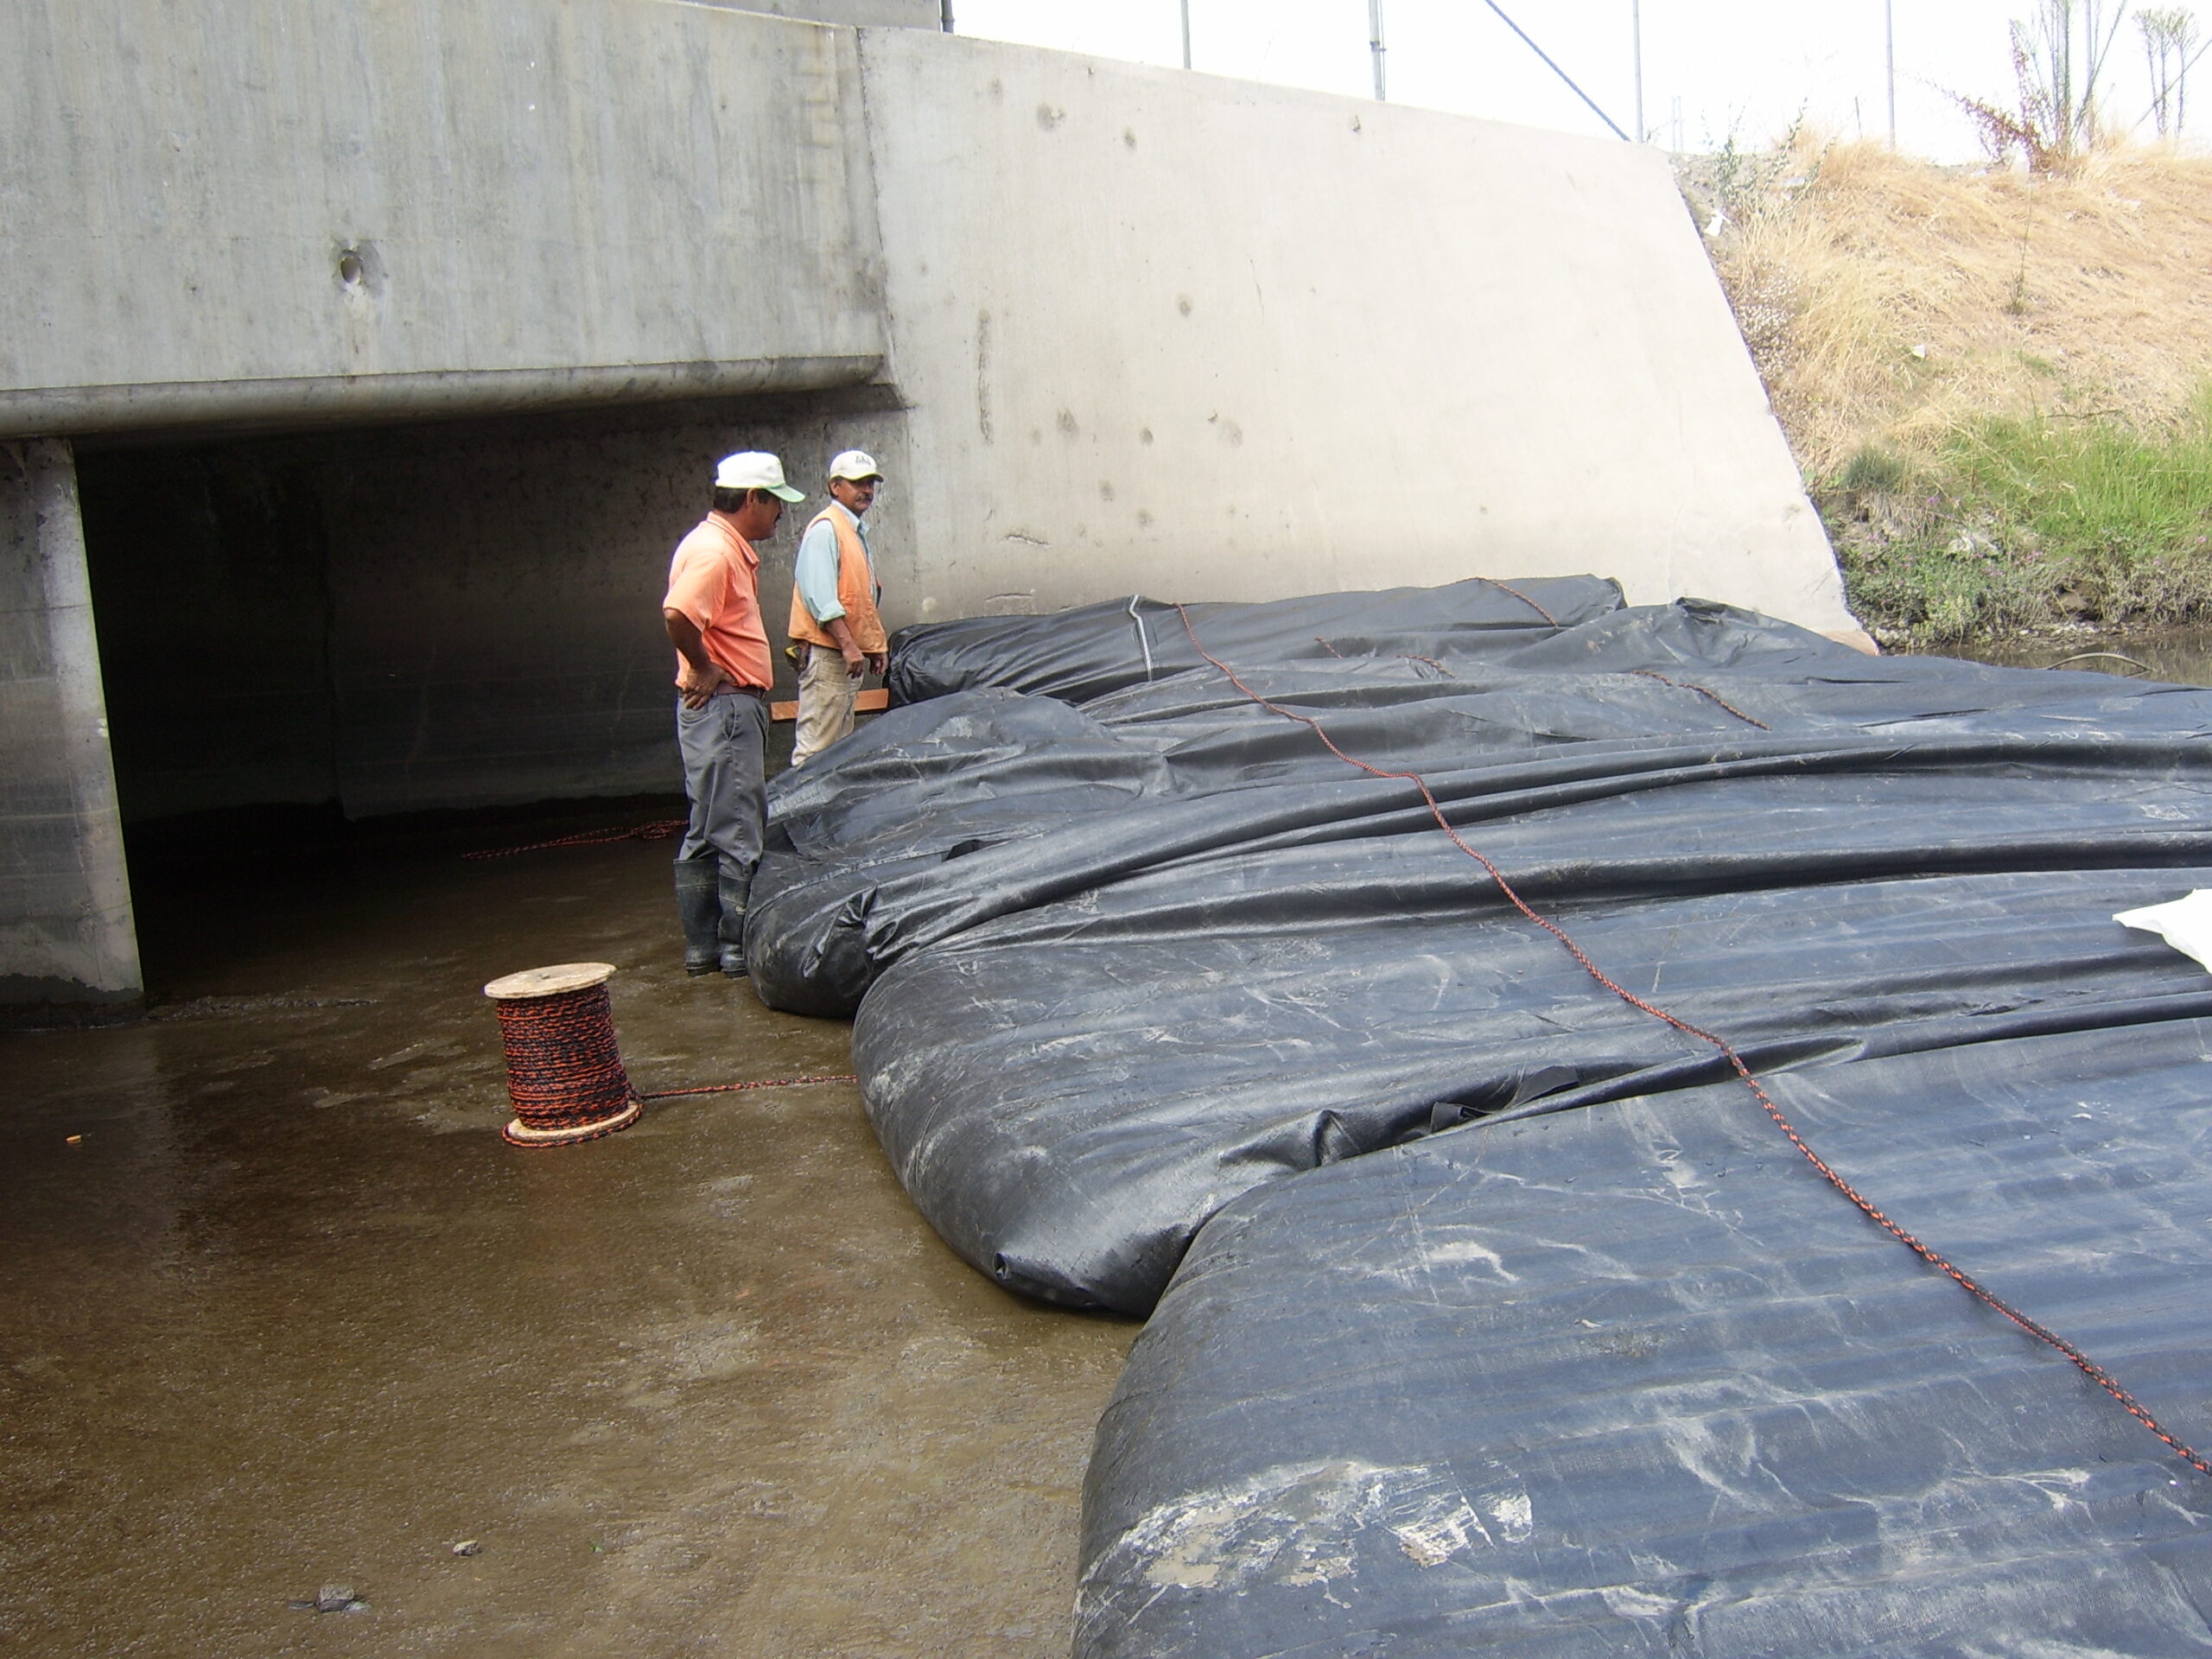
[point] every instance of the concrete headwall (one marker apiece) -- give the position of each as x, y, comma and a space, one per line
1210, 340
1155, 329
219, 212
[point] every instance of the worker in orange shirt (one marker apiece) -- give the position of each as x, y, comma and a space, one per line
722, 676
836, 637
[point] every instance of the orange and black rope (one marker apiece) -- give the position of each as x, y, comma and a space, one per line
660, 830
2089, 1368
565, 1071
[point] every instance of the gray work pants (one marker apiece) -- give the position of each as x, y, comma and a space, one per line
725, 748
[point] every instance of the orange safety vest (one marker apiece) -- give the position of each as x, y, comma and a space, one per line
857, 591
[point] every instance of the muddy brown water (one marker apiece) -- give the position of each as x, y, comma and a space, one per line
287, 1314
2179, 656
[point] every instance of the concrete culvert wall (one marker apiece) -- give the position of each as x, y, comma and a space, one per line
65, 932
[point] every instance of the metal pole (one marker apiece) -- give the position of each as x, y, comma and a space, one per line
1889, 55
1375, 43
1186, 32
944, 16
1635, 34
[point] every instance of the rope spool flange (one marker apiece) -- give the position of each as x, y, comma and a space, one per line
565, 1068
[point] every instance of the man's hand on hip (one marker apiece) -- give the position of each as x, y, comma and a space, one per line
702, 675
695, 695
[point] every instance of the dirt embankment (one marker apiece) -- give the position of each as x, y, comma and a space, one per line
1996, 384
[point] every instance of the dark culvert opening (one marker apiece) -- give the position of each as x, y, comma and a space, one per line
325, 646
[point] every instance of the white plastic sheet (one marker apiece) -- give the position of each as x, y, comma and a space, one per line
2186, 924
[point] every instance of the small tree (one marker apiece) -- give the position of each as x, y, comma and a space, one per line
2170, 46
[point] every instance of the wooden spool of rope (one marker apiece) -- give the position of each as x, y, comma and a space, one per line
564, 1067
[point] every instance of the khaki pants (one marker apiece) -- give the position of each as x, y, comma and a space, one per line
826, 695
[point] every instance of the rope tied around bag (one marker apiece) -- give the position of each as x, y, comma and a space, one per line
2095, 1372
1685, 685
1502, 587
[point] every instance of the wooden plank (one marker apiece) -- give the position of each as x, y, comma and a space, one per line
869, 703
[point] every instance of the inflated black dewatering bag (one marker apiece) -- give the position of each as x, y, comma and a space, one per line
1636, 1380
924, 804
909, 794
1116, 965
1069, 1096
1497, 1322
1078, 654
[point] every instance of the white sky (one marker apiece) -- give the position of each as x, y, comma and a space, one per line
1746, 68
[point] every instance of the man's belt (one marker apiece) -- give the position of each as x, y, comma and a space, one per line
726, 687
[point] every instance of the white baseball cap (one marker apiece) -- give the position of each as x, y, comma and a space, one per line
854, 465
756, 469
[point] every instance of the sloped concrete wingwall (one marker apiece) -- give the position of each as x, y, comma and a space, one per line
865, 14
1165, 332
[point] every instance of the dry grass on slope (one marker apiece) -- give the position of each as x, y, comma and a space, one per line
1892, 301
1923, 330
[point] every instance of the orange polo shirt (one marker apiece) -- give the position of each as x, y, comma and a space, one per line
714, 580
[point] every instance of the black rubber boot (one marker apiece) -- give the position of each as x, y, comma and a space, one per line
699, 908
733, 893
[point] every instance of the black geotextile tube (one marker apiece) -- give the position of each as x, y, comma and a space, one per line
923, 790
1080, 654
1497, 1313
1069, 1125
1634, 1379
1116, 964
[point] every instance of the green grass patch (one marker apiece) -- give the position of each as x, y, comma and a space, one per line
2016, 525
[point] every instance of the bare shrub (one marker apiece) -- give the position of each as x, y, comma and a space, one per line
2060, 53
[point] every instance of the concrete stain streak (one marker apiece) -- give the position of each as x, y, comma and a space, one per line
983, 375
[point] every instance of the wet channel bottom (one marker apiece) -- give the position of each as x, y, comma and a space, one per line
286, 1314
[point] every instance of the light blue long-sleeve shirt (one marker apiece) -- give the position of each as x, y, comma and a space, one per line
818, 565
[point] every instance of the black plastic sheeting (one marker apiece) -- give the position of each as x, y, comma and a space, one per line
1116, 963
1496, 1312
1085, 653
1009, 758
1636, 1380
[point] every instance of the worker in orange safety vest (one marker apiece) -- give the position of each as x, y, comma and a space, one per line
838, 637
